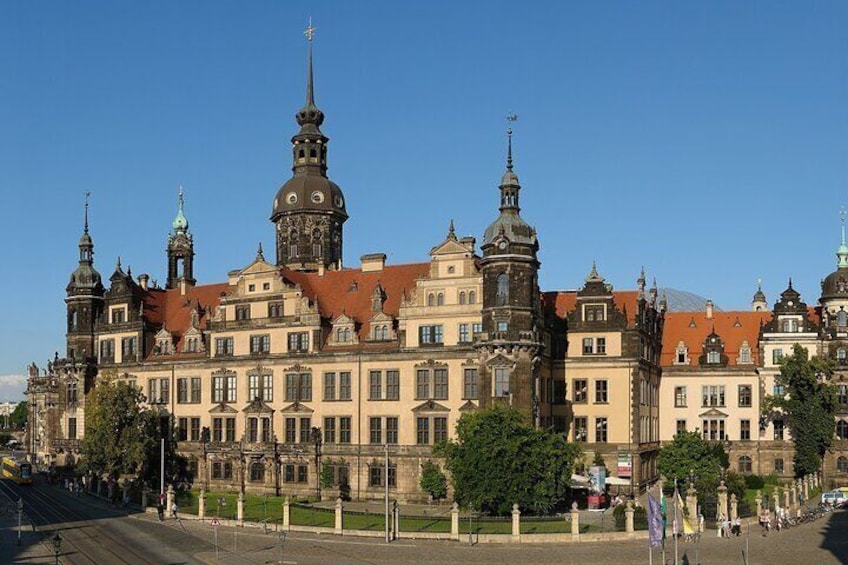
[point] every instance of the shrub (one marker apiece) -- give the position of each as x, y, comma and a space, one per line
754, 482
640, 517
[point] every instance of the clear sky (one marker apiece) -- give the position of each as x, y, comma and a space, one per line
703, 140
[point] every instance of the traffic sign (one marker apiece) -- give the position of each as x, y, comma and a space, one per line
215, 522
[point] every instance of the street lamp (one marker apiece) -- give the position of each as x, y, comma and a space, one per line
57, 546
317, 441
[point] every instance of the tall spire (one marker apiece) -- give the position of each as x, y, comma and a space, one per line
310, 117
87, 194
180, 224
509, 183
86, 244
309, 33
842, 251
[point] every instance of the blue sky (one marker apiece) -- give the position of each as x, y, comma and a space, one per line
703, 140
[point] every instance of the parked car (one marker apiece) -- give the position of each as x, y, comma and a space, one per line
835, 498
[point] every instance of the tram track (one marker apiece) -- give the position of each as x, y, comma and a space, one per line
84, 541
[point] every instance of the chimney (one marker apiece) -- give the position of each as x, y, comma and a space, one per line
183, 286
320, 269
709, 313
143, 281
373, 262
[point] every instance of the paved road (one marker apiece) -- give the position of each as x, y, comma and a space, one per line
97, 533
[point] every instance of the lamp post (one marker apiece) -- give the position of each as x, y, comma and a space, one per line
470, 511
57, 546
317, 441
386, 488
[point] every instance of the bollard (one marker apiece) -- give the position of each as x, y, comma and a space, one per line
339, 517
201, 505
786, 498
240, 508
286, 514
170, 498
395, 520
759, 500
516, 522
575, 521
455, 522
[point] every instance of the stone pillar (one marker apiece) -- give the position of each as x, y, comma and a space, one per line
169, 497
201, 504
339, 517
99, 486
395, 520
110, 490
455, 522
575, 521
734, 507
240, 508
286, 514
628, 517
759, 500
786, 499
125, 493
516, 522
145, 492
692, 504
722, 500
776, 496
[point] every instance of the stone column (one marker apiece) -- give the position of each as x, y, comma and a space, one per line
575, 521
286, 514
169, 498
734, 507
786, 499
201, 504
455, 522
240, 508
516, 522
722, 500
692, 504
628, 517
395, 520
145, 492
759, 500
776, 496
339, 517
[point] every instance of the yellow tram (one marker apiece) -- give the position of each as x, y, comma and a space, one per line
18, 471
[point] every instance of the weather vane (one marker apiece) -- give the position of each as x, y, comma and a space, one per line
510, 119
310, 31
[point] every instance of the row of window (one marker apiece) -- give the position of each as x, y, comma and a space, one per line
714, 396
129, 348
715, 429
464, 297
600, 429
298, 430
581, 391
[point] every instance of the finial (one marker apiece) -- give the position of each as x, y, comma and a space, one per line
759, 284
790, 284
511, 118
842, 252
118, 266
87, 194
180, 200
309, 33
259, 255
451, 231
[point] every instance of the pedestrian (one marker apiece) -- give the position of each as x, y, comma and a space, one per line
174, 510
160, 509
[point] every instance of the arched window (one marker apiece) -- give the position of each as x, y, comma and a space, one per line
316, 243
841, 429
440, 299
842, 318
472, 297
841, 354
293, 244
745, 464
313, 154
713, 357
431, 300
842, 465
502, 296
257, 472
790, 326
462, 297
301, 155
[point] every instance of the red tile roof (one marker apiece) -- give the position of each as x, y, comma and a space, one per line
564, 301
733, 328
172, 309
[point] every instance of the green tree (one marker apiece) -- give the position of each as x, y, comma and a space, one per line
18, 418
688, 453
498, 460
122, 438
433, 481
808, 406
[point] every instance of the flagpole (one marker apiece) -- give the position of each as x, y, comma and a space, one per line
676, 527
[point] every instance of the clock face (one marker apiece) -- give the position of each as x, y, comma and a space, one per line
502, 244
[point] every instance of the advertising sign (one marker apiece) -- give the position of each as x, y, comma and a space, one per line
625, 465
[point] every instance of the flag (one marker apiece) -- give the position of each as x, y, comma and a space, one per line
655, 521
684, 526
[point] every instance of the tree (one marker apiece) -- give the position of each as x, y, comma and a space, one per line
808, 407
18, 418
498, 460
690, 454
122, 438
433, 481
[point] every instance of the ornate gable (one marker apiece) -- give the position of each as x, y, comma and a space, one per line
431, 406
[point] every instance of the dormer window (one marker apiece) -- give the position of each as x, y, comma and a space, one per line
681, 356
744, 354
713, 357
119, 315
594, 313
343, 335
381, 332
790, 326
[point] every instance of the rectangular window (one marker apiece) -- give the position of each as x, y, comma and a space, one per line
440, 429
469, 383
329, 386
431, 335
305, 430
275, 310
344, 385
375, 385
107, 351
230, 429
588, 345
422, 384
158, 392
223, 346
393, 385
288, 474
194, 391
118, 315
252, 430
581, 390
580, 426
260, 343
559, 392
778, 390
842, 391
440, 384
477, 328
745, 396
299, 387
778, 429
128, 347
299, 341
344, 429
680, 427
376, 429
182, 391
265, 435
601, 430
329, 430
712, 395
375, 476
423, 431
745, 429
392, 430
680, 397
242, 313
182, 429
302, 473
464, 333
291, 430
217, 429
776, 356
601, 392
601, 346
713, 429
778, 465
72, 428
194, 430
501, 381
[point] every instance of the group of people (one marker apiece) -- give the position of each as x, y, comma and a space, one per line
729, 528
74, 486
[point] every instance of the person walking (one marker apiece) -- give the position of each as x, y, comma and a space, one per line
174, 509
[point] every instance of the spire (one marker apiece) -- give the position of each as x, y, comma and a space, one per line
259, 255
593, 275
86, 245
180, 223
451, 231
509, 182
310, 117
509, 146
87, 194
842, 251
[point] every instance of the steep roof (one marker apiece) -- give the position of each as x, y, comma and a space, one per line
564, 301
171, 309
692, 328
